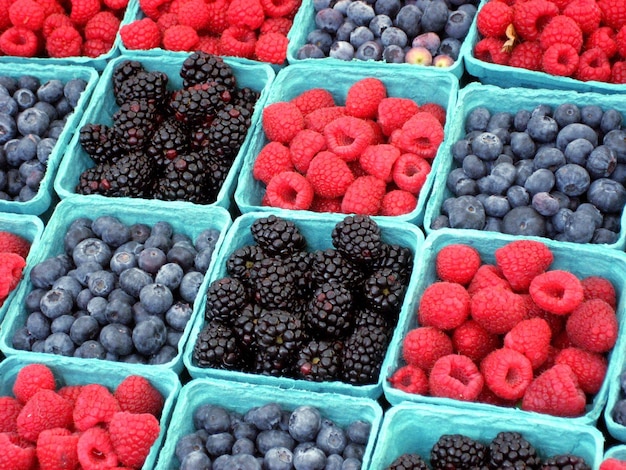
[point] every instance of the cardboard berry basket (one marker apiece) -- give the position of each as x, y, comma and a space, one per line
338, 78
316, 229
255, 75
415, 428
241, 397
70, 371
580, 260
497, 99
43, 199
615, 394
191, 222
617, 452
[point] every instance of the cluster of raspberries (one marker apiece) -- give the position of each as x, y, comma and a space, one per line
13, 252
51, 28
43, 426
582, 39
370, 156
253, 29
510, 331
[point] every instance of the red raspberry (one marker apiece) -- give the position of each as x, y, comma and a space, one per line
410, 172
95, 47
422, 346
276, 25
26, 14
208, 44
492, 50
556, 291
45, 410
613, 13
472, 340
526, 55
348, 137
530, 17
612, 464
497, 309
493, 19
55, 21
378, 160
590, 368
410, 379
398, 202
153, 9
507, 373
438, 111
245, 13
444, 305
19, 42
320, 204
329, 175
561, 60
11, 267
180, 38
50, 7
65, 41
217, 16
83, 10
141, 34
598, 287
457, 377
531, 338
9, 410
271, 48
620, 41
116, 5
602, 38
136, 394
312, 99
487, 276
16, 453
304, 146
279, 8
273, 158
56, 449
585, 13
317, 120
364, 196
618, 72
555, 322
457, 263
561, 29
522, 260
594, 65
95, 450
70, 392
103, 26
31, 379
364, 96
421, 134
194, 13
289, 190
132, 436
393, 112
490, 398
555, 392
5, 22
282, 121
593, 326
94, 405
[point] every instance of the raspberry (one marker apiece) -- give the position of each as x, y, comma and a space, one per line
364, 196
397, 202
472, 340
561, 29
94, 405
26, 14
378, 160
422, 346
457, 263
556, 291
132, 436
531, 338
70, 392
526, 55
410, 172
116, 5
321, 204
9, 410
141, 34
522, 260
304, 146
593, 326
271, 48
217, 16
45, 410
56, 449
153, 9
612, 464
555, 322
555, 392
83, 10
55, 21
364, 96
312, 99
180, 38
276, 25
598, 287
585, 13
103, 26
590, 368
95, 47
289, 190
620, 41
15, 453
455, 376
602, 38
492, 50
493, 19
393, 112
444, 305
329, 175
245, 13
136, 394
31, 379
487, 276
613, 13
50, 7
560, 59
348, 137
438, 111
497, 309
279, 8
95, 450
194, 13
5, 22
618, 72
529, 18
273, 158
282, 121
421, 135
65, 41
318, 119
507, 373
410, 379
19, 42
594, 65
11, 267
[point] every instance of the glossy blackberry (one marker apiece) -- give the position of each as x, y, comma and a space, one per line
371, 318
565, 462
184, 180
511, 450
224, 297
217, 172
277, 236
144, 86
246, 98
363, 354
92, 138
384, 291
201, 67
123, 72
134, 123
217, 347
328, 265
245, 323
358, 239
397, 258
279, 336
330, 311
199, 136
132, 175
319, 361
199, 103
168, 141
457, 451
408, 462
241, 261
273, 283
301, 271
89, 181
228, 131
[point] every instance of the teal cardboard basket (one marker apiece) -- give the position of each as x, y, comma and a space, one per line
240, 397
415, 428
337, 78
256, 76
614, 394
191, 221
580, 260
497, 99
42, 200
70, 371
317, 231
617, 452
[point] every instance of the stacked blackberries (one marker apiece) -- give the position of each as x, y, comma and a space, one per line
174, 145
322, 315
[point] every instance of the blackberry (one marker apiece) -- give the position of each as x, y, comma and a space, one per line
397, 258
89, 181
228, 131
408, 462
134, 123
454, 451
245, 323
384, 291
330, 311
217, 347
273, 283
246, 98
363, 353
123, 72
240, 262
279, 335
92, 138
131, 175
358, 239
300, 262
217, 171
168, 141
328, 265
511, 450
199, 137
319, 361
199, 103
565, 462
201, 67
144, 86
370, 318
184, 180
224, 297
277, 236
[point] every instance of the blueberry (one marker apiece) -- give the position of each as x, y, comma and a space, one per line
522, 145
309, 51
477, 119
119, 294
56, 302
11, 154
359, 431
31, 302
119, 311
116, 339
47, 108
243, 462
619, 173
182, 254
62, 324
309, 456
550, 158
343, 33
196, 460
601, 162
38, 325
389, 8
360, 13
369, 50
219, 444
149, 336
334, 462
607, 195
572, 180
114, 233
579, 228
60, 344
69, 284
506, 171
354, 451
91, 250
243, 430
304, 423
541, 110
575, 131
29, 82
466, 212
139, 232
616, 141
50, 91
577, 151
321, 4
270, 438
496, 206
187, 444
156, 298
133, 280
351, 464
97, 309
393, 54
435, 16
541, 180
84, 329
393, 36
8, 128
561, 218
331, 439
379, 24
493, 184
32, 121
24, 98
546, 204
134, 247
520, 120
73, 90
101, 283
321, 39
243, 446
474, 167
178, 315
22, 339
408, 19
458, 24
161, 242
524, 220
212, 418
121, 261
591, 115
604, 236
8, 106
567, 113
329, 20
611, 120
461, 149
81, 273
342, 50
33, 174
173, 338
151, 260
360, 35
264, 417
500, 120
26, 194
611, 222
39, 346
542, 128
9, 83
63, 107
460, 183
278, 458
190, 285
90, 349
592, 211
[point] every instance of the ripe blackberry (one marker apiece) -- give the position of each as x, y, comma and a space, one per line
565, 462
277, 236
92, 138
244, 325
397, 258
301, 271
246, 98
279, 336
273, 283
217, 347
457, 451
511, 450
358, 239
363, 354
329, 314
328, 265
384, 291
228, 131
168, 141
224, 297
371, 318
217, 172
134, 123
89, 181
184, 180
144, 86
319, 361
199, 136
408, 462
123, 72
199, 103
241, 261
201, 67
132, 175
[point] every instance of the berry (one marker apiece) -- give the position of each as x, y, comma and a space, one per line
511, 450
83, 10
393, 112
593, 65
457, 451
555, 392
318, 119
16, 41
329, 175
497, 309
180, 38
530, 337
273, 158
472, 340
9, 410
494, 18
492, 50
26, 14
529, 19
378, 160
282, 121
455, 376
613, 13
364, 97
410, 172
132, 436
15, 452
522, 260
141, 34
444, 305
103, 26
408, 461
244, 13
348, 137
31, 379
597, 287
612, 464
237, 41
303, 147
94, 405
45, 410
586, 13
422, 347
421, 135
313, 99
457, 263
194, 13
556, 291
592, 326
271, 47
95, 450
410, 379
526, 55
560, 59
289, 190
364, 196
507, 373
589, 368
398, 202
561, 29
57, 449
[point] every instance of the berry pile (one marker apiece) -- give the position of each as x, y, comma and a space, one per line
54, 28
510, 331
394, 31
45, 426
370, 155
322, 315
555, 172
32, 116
509, 449
13, 252
582, 39
119, 292
270, 437
174, 146
253, 29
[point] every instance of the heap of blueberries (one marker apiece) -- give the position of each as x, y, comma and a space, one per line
32, 117
552, 171
271, 437
118, 292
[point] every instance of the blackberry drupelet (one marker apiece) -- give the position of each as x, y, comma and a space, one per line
408, 462
144, 86
123, 72
277, 236
279, 336
358, 239
565, 462
456, 451
241, 261
363, 353
168, 141
217, 347
273, 283
132, 175
201, 67
217, 172
511, 450
199, 103
246, 98
89, 181
134, 123
319, 361
329, 315
328, 265
397, 258
384, 291
224, 297
92, 138
228, 131
184, 179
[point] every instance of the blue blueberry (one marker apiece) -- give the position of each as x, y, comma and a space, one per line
351, 464
50, 91
572, 180
354, 451
577, 151
619, 173
244, 430
23, 340
393, 54
187, 444
39, 347
33, 121
331, 439
101, 283
170, 275
561, 218
156, 298
134, 247
165, 355
73, 89
304, 423
607, 195
116, 339
466, 212
321, 4
604, 236
542, 128
63, 107
91, 250
47, 108
219, 444
33, 298
461, 149
408, 19
379, 24
524, 220
474, 167
38, 325
541, 180
344, 31
567, 113
159, 241
493, 184
389, 8
591, 115
29, 82
601, 162
120, 261
520, 120
243, 446
496, 206
173, 338
114, 233
8, 106
360, 35
541, 110
270, 438
90, 349
265, 417
549, 157
393, 36
579, 228
309, 51
26, 194
611, 222
458, 24
360, 13
151, 260
24, 98
32, 173
575, 131
119, 311
10, 84
435, 16
505, 170
593, 211
546, 204
133, 358
69, 284
309, 456
616, 141
329, 20
56, 302
82, 272
342, 50
60, 344
84, 329
190, 286
182, 254
97, 309
11, 154
278, 458
500, 120
369, 50
243, 462
139, 312
149, 336
140, 232
611, 120
321, 39
477, 119
133, 280
62, 324
359, 431
522, 145
460, 184
334, 462
8, 128
178, 315
212, 418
